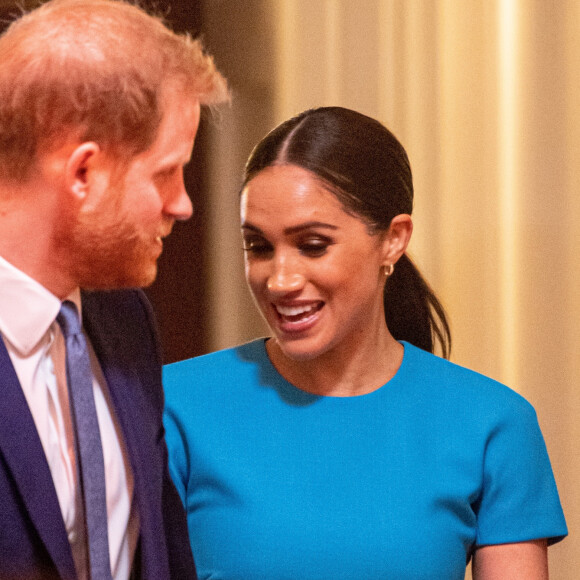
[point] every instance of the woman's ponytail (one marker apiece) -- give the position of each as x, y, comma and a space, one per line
412, 311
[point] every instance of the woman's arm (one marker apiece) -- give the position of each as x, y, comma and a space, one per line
521, 561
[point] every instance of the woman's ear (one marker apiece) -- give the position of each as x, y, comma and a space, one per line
397, 238
78, 169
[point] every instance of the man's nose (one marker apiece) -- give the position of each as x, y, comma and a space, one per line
179, 205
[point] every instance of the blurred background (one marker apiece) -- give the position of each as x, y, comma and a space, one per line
484, 96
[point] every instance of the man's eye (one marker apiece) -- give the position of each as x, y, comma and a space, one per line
167, 174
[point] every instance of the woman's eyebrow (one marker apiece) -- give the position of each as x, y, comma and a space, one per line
293, 229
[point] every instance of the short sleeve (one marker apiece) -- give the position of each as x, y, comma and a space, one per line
519, 499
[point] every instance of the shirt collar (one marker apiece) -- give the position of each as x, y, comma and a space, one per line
27, 309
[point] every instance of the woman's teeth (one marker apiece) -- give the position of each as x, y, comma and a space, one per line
297, 312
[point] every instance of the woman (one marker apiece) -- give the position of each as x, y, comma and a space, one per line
341, 447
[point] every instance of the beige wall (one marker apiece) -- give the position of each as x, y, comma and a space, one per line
484, 95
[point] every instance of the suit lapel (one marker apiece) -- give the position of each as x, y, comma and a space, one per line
110, 346
23, 452
120, 376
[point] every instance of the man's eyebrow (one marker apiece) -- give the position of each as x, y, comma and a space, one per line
294, 229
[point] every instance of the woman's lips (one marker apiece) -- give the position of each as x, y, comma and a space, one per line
297, 318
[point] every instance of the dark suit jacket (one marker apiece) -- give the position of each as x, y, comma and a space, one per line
33, 540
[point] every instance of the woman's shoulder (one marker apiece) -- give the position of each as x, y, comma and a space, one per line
451, 381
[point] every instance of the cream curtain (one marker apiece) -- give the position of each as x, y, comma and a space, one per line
484, 96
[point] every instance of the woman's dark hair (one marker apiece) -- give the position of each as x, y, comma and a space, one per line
365, 166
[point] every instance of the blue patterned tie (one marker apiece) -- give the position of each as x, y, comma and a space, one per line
88, 441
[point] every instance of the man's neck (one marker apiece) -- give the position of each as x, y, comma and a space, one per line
27, 215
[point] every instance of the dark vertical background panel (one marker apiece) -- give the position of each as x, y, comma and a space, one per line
179, 293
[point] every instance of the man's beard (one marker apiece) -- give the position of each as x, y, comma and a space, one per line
109, 256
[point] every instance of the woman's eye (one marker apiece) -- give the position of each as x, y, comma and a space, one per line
257, 247
314, 248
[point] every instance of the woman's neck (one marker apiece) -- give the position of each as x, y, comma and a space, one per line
350, 372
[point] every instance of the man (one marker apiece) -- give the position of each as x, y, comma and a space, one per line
99, 107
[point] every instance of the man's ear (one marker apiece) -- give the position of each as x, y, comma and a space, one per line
80, 164
397, 238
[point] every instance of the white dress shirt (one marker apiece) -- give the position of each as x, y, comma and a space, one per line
37, 350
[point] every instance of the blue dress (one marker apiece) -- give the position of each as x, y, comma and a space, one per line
403, 482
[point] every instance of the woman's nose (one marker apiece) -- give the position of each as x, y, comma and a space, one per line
284, 279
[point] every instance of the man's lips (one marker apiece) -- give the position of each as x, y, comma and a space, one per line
159, 238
